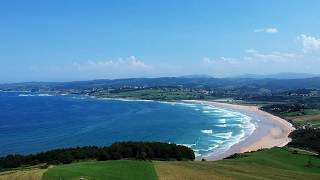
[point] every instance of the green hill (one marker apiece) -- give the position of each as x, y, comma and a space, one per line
275, 163
115, 169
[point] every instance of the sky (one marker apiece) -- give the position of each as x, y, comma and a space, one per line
66, 40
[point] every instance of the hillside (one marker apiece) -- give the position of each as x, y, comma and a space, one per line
193, 82
275, 163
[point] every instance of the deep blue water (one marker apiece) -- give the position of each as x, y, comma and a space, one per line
32, 123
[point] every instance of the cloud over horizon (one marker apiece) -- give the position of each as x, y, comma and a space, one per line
130, 63
256, 62
267, 30
309, 43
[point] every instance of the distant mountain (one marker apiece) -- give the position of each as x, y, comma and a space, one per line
197, 76
280, 76
221, 83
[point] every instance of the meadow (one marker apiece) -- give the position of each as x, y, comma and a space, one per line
118, 169
275, 163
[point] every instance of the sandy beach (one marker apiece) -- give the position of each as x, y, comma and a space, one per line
271, 131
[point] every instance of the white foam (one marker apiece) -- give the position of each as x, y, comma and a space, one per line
42, 95
222, 120
129, 100
221, 125
207, 131
189, 105
224, 135
212, 147
217, 141
81, 97
25, 95
221, 142
187, 145
229, 115
197, 154
235, 125
165, 102
209, 107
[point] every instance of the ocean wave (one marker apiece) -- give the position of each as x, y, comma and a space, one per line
127, 100
221, 142
189, 105
209, 107
221, 125
26, 95
217, 141
212, 147
238, 119
166, 102
227, 135
201, 149
32, 95
235, 125
46, 95
207, 131
187, 145
228, 115
222, 120
79, 97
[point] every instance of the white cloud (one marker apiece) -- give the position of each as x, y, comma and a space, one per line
249, 51
309, 43
267, 30
219, 60
128, 64
206, 60
273, 57
254, 56
257, 62
128, 67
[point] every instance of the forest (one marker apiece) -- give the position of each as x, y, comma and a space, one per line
118, 150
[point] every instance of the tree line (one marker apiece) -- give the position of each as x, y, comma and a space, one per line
119, 150
307, 138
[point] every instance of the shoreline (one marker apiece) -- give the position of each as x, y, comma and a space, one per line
271, 131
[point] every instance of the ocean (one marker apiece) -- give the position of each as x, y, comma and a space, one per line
35, 122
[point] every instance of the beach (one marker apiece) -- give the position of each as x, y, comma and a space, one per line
271, 131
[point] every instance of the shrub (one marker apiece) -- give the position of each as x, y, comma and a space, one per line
137, 150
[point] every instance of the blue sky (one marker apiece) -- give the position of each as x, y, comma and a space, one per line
80, 39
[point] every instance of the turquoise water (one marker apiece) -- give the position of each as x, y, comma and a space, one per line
31, 123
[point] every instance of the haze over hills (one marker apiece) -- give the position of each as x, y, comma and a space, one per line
284, 75
189, 82
197, 76
279, 76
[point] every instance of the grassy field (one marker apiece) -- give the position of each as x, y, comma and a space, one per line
121, 169
269, 164
307, 119
276, 163
153, 94
25, 174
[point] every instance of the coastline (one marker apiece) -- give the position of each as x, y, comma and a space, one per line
271, 131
